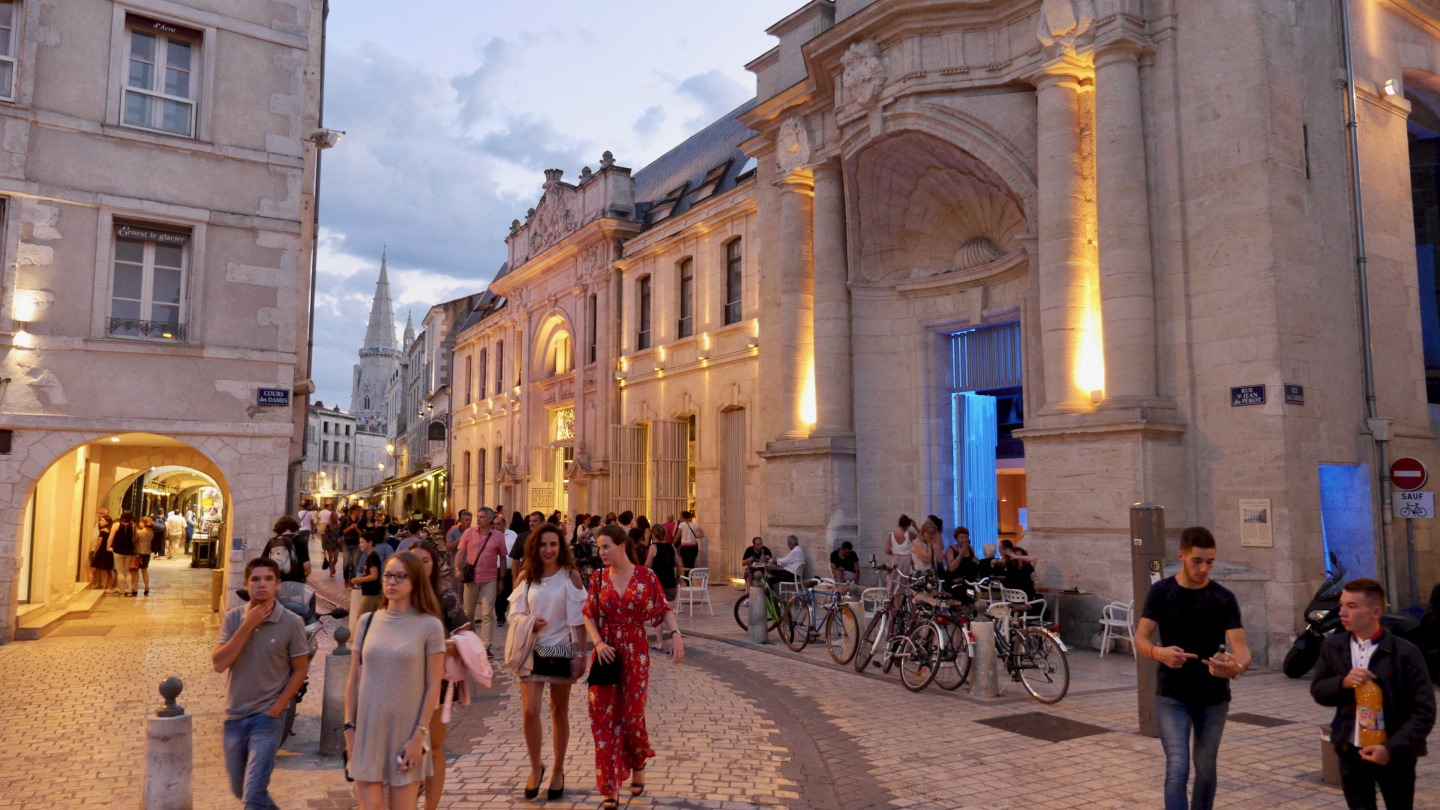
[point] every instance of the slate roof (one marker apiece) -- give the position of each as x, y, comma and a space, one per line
488, 304
706, 164
691, 161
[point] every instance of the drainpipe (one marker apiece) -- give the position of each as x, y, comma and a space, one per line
297, 464
1377, 426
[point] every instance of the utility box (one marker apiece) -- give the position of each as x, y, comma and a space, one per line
1147, 567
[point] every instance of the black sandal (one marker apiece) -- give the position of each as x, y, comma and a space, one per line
610, 804
637, 790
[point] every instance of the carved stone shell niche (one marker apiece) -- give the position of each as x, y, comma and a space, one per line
927, 208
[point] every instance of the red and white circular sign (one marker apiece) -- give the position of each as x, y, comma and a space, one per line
1408, 474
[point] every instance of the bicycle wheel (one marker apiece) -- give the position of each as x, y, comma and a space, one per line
919, 655
954, 666
870, 641
1044, 669
795, 626
742, 615
842, 634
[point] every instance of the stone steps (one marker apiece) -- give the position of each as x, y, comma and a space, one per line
37, 624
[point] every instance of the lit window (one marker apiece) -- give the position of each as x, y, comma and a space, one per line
7, 51
594, 318
734, 278
484, 361
642, 315
148, 294
160, 83
687, 299
499, 367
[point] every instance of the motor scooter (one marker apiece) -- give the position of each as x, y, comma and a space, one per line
1322, 617
299, 598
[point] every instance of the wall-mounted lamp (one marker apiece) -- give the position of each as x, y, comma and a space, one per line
325, 138
1096, 396
704, 351
1391, 88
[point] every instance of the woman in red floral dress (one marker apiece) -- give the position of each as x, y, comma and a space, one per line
621, 598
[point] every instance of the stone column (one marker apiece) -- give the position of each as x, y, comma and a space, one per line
832, 306
1062, 245
1127, 287
797, 295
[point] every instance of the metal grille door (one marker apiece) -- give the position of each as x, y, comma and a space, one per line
669, 460
627, 468
725, 560
986, 358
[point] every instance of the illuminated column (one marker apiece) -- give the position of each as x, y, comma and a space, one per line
796, 300
1063, 250
832, 305
1127, 288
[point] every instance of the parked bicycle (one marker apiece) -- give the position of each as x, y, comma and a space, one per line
818, 611
1032, 654
774, 608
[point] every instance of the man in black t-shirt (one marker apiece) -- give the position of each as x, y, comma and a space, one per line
758, 553
1202, 648
844, 564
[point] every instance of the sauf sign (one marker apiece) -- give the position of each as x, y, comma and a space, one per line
1417, 505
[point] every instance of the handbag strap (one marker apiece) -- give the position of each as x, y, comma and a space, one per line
366, 620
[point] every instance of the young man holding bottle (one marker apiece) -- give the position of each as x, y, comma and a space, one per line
1202, 648
1379, 751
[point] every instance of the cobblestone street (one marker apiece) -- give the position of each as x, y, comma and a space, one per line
735, 727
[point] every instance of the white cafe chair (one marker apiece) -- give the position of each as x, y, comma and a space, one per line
694, 589
1116, 623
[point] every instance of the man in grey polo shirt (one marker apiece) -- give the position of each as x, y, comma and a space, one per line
263, 646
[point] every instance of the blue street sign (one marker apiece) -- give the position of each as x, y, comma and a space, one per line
1294, 394
1247, 395
272, 396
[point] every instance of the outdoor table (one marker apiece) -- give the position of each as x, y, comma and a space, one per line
1056, 593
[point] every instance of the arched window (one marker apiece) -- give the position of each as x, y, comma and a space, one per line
559, 355
734, 280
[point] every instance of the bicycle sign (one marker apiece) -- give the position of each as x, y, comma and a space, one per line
1420, 505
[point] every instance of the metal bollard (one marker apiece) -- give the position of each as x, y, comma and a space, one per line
984, 682
1147, 567
169, 753
332, 703
758, 617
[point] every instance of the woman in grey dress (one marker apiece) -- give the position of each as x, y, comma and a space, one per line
394, 688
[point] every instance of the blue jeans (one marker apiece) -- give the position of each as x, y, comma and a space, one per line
1176, 721
250, 746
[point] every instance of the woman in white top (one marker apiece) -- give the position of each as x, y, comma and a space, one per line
549, 588
690, 535
898, 545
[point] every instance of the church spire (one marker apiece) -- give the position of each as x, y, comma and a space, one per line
409, 330
380, 334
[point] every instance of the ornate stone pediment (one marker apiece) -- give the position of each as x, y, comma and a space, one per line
554, 219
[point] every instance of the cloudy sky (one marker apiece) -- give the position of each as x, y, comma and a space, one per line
452, 109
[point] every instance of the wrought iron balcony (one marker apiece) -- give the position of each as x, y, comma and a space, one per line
151, 330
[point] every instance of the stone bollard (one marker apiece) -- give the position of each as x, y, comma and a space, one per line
984, 682
332, 703
168, 753
857, 607
758, 615
355, 598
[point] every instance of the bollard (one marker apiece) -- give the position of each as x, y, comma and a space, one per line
984, 682
1329, 759
355, 598
857, 607
169, 752
332, 703
758, 617
217, 590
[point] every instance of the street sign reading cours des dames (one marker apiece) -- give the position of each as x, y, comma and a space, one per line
272, 396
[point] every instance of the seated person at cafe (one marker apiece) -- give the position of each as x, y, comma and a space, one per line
844, 564
792, 565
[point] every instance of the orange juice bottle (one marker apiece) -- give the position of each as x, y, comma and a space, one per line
1370, 712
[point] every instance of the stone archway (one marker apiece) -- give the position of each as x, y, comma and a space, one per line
66, 474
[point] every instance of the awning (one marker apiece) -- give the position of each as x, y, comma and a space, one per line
400, 481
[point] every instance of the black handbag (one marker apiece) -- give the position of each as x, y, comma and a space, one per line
550, 666
602, 674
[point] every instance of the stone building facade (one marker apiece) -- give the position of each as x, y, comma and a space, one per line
156, 210
332, 456
1016, 265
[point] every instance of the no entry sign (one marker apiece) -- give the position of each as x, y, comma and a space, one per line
1408, 473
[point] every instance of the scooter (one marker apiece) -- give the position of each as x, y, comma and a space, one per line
299, 598
1322, 617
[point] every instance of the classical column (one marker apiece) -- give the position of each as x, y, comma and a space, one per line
1062, 245
796, 300
832, 305
1127, 288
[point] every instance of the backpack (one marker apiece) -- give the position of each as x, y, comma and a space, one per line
280, 553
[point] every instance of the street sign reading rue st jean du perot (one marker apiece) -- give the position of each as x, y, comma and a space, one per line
1247, 395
